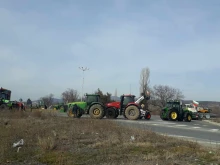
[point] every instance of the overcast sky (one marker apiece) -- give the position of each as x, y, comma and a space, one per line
43, 42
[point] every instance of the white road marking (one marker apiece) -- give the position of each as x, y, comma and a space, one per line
196, 127
181, 125
167, 123
196, 124
155, 124
214, 130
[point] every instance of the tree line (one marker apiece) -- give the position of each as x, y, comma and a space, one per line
160, 94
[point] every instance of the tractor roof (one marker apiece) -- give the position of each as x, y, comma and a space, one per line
3, 89
171, 101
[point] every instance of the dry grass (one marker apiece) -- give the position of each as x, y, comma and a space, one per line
217, 120
49, 139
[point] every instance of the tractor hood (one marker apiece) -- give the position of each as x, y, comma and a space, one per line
80, 104
113, 104
5, 101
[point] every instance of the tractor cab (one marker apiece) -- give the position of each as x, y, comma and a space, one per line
5, 94
91, 98
177, 104
174, 103
125, 100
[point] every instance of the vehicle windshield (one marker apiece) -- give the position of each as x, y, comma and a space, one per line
4, 96
91, 99
128, 99
172, 104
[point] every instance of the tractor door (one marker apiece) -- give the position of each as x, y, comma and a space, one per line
92, 98
121, 104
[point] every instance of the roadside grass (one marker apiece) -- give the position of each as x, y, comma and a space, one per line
51, 139
217, 120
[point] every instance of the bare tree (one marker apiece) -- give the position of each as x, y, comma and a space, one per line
144, 80
144, 84
104, 98
162, 93
47, 100
70, 95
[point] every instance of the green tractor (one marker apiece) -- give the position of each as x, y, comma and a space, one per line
91, 106
5, 96
174, 111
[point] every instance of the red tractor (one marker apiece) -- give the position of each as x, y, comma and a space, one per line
128, 107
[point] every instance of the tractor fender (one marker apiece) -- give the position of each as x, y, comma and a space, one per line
137, 105
133, 104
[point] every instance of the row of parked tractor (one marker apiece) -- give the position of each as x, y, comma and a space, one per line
127, 106
6, 103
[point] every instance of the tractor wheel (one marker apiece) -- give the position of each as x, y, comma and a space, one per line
3, 107
110, 113
96, 111
132, 112
188, 118
173, 115
147, 116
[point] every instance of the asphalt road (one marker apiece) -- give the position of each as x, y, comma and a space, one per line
202, 132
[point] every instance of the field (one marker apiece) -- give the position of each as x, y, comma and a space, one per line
50, 139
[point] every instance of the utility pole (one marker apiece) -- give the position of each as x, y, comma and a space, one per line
83, 69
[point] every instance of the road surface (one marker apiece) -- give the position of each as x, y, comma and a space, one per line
200, 131
196, 130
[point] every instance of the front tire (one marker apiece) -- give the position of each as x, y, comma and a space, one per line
188, 118
3, 107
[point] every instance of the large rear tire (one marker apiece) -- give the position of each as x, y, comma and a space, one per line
96, 111
132, 112
111, 113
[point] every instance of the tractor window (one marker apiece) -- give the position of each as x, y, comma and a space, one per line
91, 99
4, 96
169, 105
128, 100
